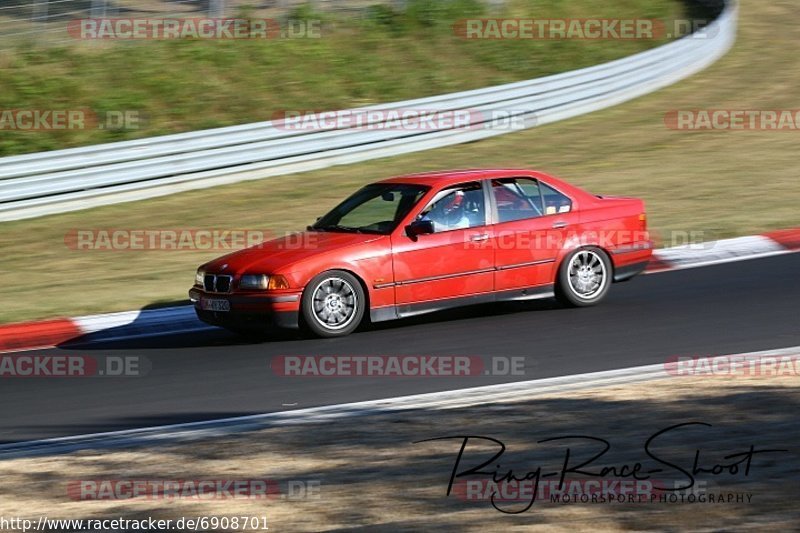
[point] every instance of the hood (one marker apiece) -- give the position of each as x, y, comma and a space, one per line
278, 254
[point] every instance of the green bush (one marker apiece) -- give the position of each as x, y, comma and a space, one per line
429, 13
385, 17
305, 12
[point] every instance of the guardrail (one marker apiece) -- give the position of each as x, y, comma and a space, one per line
67, 180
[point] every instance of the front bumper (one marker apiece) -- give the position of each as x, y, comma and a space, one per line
250, 309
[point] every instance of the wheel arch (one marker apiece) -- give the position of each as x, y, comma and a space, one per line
353, 272
568, 250
364, 287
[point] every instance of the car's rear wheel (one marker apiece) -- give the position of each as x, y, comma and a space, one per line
584, 277
333, 304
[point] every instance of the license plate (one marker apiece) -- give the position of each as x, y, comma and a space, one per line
209, 304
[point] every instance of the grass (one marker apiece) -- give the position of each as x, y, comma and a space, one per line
379, 56
371, 475
721, 183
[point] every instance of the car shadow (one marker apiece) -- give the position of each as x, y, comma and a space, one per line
467, 312
119, 338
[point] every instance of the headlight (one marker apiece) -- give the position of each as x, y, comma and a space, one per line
263, 282
254, 282
198, 277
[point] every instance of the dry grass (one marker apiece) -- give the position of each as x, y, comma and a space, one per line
720, 183
372, 476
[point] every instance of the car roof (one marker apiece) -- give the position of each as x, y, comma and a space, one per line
448, 177
440, 179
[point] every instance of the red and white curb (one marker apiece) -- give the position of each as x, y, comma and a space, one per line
105, 327
725, 251
175, 320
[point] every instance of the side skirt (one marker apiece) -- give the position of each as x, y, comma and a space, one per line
393, 312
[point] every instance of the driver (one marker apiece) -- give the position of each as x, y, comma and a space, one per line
449, 213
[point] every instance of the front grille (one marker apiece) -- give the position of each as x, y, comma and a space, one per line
223, 284
217, 283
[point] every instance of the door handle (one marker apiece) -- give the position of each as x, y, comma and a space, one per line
559, 225
479, 238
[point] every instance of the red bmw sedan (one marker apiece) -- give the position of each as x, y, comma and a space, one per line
427, 242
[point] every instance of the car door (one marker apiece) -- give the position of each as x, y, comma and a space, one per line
454, 262
532, 222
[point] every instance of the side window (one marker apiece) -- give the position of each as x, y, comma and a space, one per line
517, 198
554, 201
459, 207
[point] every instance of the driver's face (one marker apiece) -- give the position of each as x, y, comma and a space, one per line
453, 203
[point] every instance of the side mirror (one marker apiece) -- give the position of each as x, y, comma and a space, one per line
419, 227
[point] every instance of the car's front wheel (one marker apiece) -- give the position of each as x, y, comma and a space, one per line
333, 304
584, 277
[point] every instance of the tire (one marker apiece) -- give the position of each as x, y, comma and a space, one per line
333, 304
584, 277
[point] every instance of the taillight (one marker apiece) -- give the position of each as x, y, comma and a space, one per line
643, 222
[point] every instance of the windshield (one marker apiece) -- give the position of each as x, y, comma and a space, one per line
377, 208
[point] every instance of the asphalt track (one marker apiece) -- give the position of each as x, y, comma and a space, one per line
731, 308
